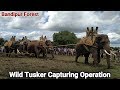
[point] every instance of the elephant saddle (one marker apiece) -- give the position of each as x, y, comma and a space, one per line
9, 43
87, 41
42, 43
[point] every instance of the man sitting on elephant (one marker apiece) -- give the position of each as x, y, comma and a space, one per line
90, 37
11, 45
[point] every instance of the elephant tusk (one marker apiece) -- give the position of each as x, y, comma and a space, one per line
113, 53
107, 52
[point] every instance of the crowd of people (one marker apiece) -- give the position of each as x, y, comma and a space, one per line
64, 51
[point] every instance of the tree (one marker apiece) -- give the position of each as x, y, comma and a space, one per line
64, 37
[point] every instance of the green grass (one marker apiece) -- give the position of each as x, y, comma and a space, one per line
59, 64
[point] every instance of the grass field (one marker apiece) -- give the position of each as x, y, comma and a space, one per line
59, 64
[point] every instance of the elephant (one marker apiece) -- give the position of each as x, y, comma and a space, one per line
101, 42
36, 47
13, 47
23, 46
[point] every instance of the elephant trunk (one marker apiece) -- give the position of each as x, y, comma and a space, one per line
107, 57
98, 55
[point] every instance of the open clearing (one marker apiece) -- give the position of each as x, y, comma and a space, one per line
60, 63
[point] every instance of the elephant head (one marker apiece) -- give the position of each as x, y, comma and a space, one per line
103, 42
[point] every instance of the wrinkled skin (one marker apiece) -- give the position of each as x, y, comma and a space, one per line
101, 42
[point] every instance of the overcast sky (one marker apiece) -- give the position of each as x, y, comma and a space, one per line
49, 22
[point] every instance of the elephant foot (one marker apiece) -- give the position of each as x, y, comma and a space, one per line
108, 67
51, 58
76, 61
98, 61
86, 62
95, 63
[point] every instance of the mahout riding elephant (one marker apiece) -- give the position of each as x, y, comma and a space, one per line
101, 42
38, 47
11, 47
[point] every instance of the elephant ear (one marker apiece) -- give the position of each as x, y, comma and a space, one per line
102, 40
98, 42
98, 39
105, 39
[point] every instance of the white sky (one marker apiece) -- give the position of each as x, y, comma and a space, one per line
49, 22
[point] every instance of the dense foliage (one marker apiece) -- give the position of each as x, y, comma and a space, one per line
64, 37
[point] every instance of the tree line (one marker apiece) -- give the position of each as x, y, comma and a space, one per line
61, 38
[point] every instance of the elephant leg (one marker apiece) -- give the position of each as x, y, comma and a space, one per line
37, 52
36, 55
7, 51
44, 54
108, 61
7, 54
76, 58
86, 58
15, 51
44, 50
95, 62
98, 55
52, 53
102, 55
